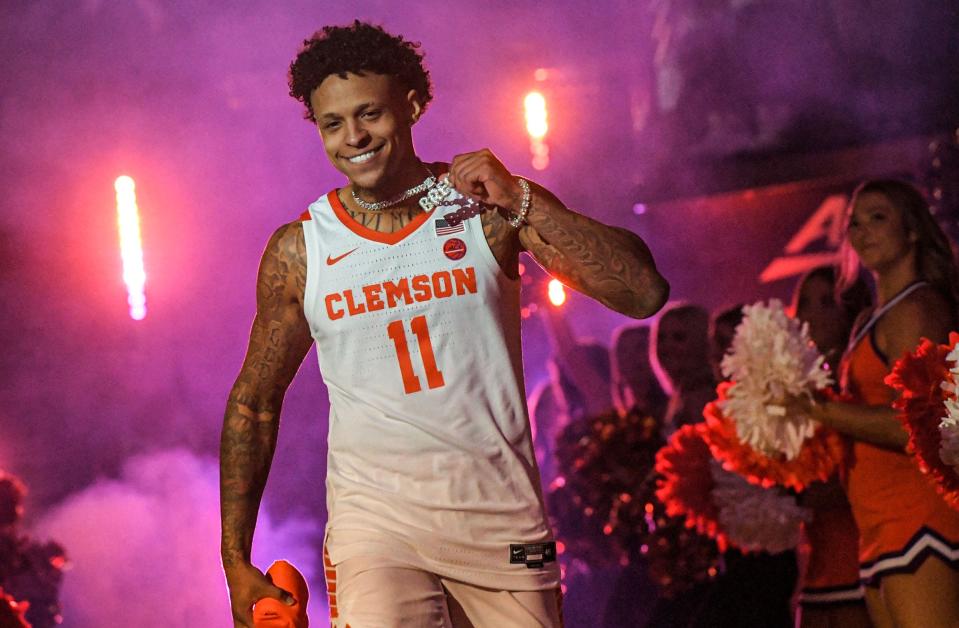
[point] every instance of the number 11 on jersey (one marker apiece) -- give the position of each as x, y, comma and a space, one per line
411, 383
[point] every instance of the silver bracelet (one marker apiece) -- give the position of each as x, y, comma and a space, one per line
518, 220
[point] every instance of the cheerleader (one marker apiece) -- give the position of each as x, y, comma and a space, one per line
909, 537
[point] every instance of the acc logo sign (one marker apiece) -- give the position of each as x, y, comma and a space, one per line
826, 222
454, 248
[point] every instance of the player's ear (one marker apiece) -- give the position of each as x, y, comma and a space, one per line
416, 108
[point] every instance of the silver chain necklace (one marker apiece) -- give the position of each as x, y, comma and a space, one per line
379, 206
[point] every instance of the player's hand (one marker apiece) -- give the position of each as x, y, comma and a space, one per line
484, 178
247, 585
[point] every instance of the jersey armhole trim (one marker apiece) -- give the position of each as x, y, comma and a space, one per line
312, 281
487, 252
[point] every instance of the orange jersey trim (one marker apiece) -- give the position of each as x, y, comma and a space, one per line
306, 216
371, 234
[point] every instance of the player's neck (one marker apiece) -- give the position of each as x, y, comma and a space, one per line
409, 176
387, 221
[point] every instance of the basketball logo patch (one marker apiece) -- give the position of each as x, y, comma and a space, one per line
454, 248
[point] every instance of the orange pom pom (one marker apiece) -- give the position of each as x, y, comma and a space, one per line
918, 377
685, 488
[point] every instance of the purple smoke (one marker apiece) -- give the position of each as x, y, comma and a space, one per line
143, 548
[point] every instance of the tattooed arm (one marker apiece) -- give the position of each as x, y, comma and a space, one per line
279, 340
610, 264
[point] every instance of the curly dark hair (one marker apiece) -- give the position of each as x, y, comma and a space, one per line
358, 48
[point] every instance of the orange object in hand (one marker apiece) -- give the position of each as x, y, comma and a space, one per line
271, 613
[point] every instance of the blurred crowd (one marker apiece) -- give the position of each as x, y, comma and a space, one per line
667, 372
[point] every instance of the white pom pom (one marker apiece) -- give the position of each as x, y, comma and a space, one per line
755, 518
772, 358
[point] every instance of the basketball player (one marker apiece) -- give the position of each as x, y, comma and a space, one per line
407, 280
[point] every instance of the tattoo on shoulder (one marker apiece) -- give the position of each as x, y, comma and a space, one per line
283, 270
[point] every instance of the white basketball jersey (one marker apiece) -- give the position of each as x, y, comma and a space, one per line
430, 456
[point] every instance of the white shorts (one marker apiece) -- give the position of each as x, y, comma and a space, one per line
376, 592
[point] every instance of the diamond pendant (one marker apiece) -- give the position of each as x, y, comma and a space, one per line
443, 191
437, 194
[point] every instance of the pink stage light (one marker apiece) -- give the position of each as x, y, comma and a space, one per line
131, 247
557, 292
537, 126
536, 123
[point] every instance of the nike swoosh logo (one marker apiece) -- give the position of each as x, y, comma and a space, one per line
332, 260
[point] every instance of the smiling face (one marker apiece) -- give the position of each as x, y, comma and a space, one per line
878, 233
365, 123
